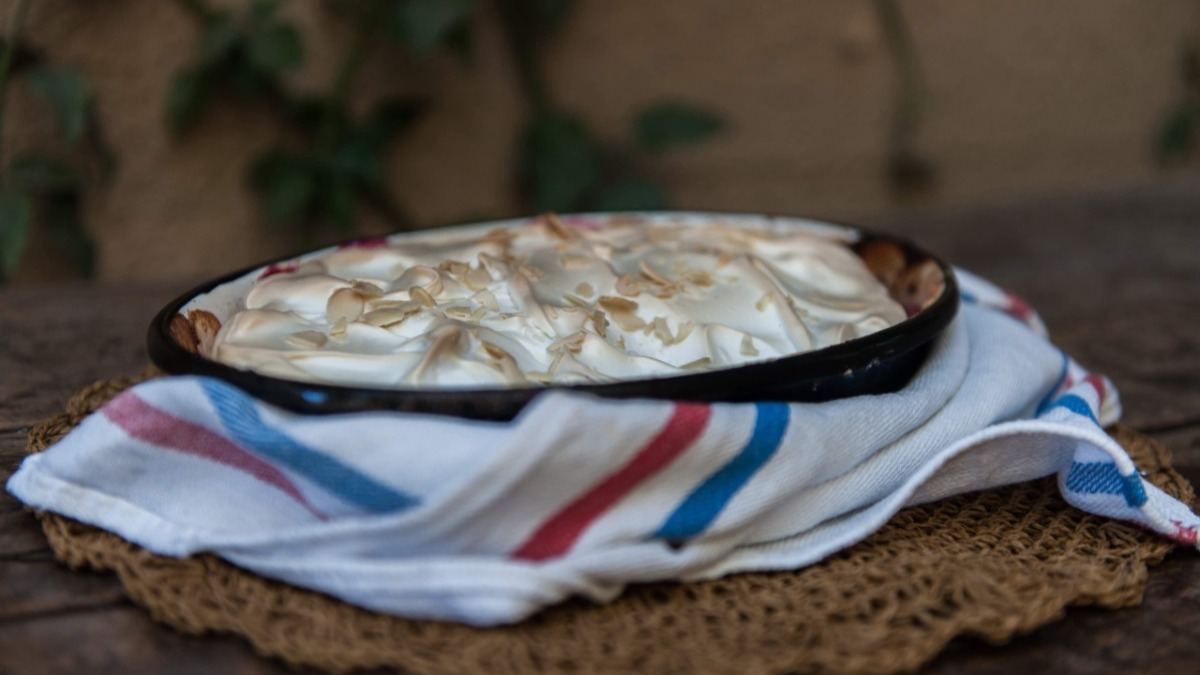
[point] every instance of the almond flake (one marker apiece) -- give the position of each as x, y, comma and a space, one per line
367, 290
572, 299
662, 330
585, 289
488, 300
390, 316
477, 278
748, 348
422, 296
345, 304
457, 312
575, 260
478, 314
698, 363
600, 323
615, 304
555, 226
652, 275
685, 329
628, 286
764, 302
306, 339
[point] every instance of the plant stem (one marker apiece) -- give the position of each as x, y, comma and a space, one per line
12, 36
910, 88
525, 39
336, 102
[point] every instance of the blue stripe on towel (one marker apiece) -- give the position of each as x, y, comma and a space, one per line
700, 508
241, 417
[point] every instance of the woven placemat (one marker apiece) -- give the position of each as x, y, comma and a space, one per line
993, 564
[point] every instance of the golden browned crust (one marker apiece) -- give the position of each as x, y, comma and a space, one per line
915, 284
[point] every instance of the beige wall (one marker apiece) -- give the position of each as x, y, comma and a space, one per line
1025, 96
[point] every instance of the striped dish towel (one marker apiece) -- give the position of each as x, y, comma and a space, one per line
485, 523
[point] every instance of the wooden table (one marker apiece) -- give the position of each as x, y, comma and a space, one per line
1115, 274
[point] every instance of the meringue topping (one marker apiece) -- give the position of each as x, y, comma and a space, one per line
549, 300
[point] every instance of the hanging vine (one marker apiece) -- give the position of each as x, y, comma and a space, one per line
909, 171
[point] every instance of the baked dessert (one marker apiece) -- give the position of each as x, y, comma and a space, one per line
549, 300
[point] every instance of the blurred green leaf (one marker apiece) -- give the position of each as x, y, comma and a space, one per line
61, 214
16, 219
339, 204
218, 40
39, 174
424, 25
262, 10
67, 92
673, 124
186, 97
1178, 133
357, 159
305, 112
629, 195
288, 185
560, 162
276, 48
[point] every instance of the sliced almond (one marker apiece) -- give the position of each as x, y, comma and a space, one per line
345, 304
422, 296
367, 290
306, 339
652, 274
628, 286
573, 260
554, 225
685, 329
612, 303
390, 316
572, 299
662, 330
585, 289
488, 299
457, 312
748, 348
477, 278
599, 323
207, 326
698, 363
764, 302
183, 333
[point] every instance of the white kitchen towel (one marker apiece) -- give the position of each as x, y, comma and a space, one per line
486, 523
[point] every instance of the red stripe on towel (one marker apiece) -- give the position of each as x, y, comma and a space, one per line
556, 535
151, 425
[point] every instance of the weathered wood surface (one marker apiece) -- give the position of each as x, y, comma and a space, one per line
1116, 276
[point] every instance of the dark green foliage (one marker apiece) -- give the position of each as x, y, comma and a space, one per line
1179, 132
560, 161
329, 181
242, 54
674, 124
16, 221
426, 25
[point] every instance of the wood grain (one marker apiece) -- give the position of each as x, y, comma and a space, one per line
1115, 275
